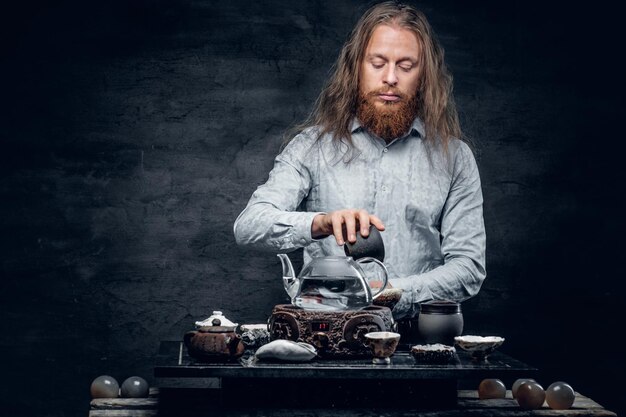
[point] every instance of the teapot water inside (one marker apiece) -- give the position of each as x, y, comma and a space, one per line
332, 293
332, 283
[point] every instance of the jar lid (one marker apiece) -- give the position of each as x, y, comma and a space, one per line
440, 307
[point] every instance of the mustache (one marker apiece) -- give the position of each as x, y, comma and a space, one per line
390, 90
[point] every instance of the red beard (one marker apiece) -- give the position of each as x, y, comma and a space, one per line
390, 121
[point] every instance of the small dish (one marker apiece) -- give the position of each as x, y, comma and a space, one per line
479, 347
433, 353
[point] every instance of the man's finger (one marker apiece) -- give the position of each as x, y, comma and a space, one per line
350, 223
364, 222
337, 222
377, 222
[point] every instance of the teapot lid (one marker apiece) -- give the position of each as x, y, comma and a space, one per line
216, 322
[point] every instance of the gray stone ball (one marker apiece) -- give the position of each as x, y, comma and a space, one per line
105, 386
135, 387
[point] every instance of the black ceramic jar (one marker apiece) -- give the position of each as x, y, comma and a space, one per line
440, 322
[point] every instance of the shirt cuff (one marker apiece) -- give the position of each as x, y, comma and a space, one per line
302, 229
414, 291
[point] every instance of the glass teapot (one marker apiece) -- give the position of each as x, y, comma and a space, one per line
332, 283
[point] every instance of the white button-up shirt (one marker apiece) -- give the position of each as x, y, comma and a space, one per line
430, 203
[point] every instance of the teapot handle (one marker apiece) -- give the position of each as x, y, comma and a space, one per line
188, 336
376, 291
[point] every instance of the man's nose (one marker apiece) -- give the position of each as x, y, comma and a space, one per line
390, 77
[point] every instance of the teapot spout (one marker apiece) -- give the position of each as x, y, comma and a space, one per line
289, 276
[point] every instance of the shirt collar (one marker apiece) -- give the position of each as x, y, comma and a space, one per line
417, 127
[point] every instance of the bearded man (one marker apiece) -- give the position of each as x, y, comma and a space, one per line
381, 148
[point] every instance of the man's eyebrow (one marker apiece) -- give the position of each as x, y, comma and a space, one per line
404, 58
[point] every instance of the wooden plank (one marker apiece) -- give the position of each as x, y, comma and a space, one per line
122, 403
385, 412
469, 402
123, 413
485, 412
468, 405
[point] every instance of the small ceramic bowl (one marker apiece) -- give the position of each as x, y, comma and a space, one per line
383, 345
433, 353
479, 346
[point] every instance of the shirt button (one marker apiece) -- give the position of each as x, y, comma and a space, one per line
385, 150
384, 188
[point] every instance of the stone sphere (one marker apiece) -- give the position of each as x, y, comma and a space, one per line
491, 388
530, 395
135, 387
105, 386
560, 396
517, 383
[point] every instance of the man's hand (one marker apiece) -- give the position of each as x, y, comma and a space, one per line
344, 223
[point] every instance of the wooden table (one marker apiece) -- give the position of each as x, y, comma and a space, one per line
468, 404
175, 369
330, 388
335, 383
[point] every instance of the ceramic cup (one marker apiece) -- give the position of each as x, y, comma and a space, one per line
370, 246
383, 345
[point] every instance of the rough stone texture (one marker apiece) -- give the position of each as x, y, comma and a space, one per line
133, 133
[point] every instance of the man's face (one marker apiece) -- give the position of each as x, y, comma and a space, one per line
388, 82
390, 66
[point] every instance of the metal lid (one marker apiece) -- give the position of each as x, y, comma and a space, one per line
440, 307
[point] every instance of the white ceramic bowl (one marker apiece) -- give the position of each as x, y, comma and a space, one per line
478, 346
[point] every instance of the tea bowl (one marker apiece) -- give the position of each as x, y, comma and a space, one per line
383, 345
479, 347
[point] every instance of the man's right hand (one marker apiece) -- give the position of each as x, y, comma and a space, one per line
344, 223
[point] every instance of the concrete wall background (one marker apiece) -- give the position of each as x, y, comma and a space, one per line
133, 133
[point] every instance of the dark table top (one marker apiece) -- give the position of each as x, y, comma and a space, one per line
335, 383
174, 362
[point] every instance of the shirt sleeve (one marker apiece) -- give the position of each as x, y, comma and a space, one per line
463, 243
270, 220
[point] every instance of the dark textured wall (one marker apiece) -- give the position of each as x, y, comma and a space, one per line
133, 133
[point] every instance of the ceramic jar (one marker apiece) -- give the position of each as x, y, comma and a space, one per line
440, 322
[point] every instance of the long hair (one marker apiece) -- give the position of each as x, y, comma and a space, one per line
336, 105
